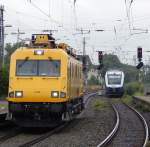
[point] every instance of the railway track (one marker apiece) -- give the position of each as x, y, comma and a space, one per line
12, 133
16, 131
130, 129
41, 138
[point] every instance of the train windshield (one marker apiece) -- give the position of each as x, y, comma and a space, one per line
114, 79
38, 68
49, 68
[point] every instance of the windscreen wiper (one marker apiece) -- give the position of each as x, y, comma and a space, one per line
23, 62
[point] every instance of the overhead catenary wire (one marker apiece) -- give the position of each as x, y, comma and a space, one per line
128, 15
50, 18
43, 12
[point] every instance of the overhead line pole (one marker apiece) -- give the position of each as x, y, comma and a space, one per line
84, 60
18, 33
1, 37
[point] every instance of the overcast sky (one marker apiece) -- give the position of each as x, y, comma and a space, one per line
109, 15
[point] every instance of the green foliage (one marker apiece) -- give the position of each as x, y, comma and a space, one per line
127, 99
93, 81
146, 77
10, 48
143, 107
4, 72
99, 104
112, 62
148, 144
134, 87
4, 76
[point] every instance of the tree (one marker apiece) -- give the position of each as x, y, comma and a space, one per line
4, 73
4, 81
10, 48
113, 62
93, 80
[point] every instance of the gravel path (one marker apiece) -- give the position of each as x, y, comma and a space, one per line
88, 130
131, 131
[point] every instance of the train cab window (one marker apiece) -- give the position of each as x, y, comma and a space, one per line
38, 68
49, 68
114, 79
26, 68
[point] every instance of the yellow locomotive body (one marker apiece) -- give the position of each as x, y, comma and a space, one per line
46, 86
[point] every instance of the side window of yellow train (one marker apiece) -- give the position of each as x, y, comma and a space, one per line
78, 71
73, 71
70, 70
81, 72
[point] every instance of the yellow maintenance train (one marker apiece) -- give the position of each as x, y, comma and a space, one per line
45, 83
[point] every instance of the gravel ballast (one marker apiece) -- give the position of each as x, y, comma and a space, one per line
88, 130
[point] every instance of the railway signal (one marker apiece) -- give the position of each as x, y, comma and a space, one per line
139, 53
100, 60
140, 65
139, 56
100, 56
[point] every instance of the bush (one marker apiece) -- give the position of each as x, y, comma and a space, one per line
4, 78
93, 81
134, 87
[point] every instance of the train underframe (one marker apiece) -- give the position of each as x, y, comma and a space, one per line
114, 92
44, 114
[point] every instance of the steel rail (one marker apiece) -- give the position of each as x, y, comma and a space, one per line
14, 132
55, 130
144, 124
43, 137
113, 132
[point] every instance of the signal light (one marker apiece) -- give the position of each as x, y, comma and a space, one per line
139, 53
100, 56
139, 65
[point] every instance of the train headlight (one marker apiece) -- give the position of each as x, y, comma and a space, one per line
62, 94
18, 94
55, 94
38, 52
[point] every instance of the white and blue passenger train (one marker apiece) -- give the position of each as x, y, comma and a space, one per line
114, 83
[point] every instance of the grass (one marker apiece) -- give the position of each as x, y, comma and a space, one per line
139, 94
127, 99
148, 144
143, 107
99, 104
